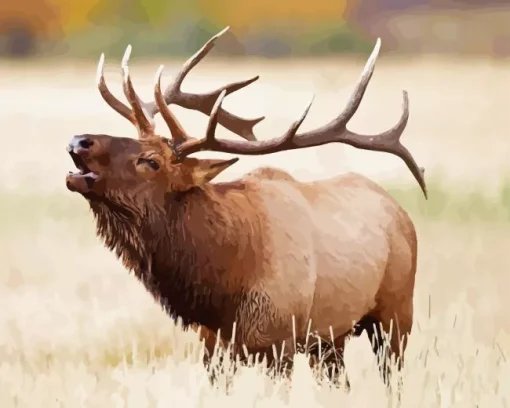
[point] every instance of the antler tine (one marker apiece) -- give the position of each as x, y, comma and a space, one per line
144, 120
197, 57
257, 147
109, 98
178, 133
117, 105
335, 131
205, 102
209, 142
210, 134
360, 88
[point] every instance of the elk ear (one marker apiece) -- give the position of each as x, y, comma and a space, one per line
207, 169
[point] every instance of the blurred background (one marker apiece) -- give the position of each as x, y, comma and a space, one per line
67, 301
264, 28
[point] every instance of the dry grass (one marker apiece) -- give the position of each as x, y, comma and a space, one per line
77, 330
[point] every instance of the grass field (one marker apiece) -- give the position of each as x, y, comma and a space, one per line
77, 330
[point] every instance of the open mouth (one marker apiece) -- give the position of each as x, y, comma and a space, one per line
84, 172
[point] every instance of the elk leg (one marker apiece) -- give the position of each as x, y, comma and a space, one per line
285, 361
211, 343
372, 326
394, 324
330, 359
335, 363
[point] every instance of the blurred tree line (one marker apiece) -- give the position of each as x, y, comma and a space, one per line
266, 28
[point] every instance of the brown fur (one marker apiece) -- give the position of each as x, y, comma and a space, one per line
266, 252
254, 251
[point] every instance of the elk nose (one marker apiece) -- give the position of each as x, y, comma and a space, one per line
79, 144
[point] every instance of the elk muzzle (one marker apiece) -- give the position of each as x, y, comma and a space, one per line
83, 180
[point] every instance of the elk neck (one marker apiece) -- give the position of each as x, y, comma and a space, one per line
192, 255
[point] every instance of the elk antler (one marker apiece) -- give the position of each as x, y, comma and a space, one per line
179, 135
143, 118
145, 124
205, 102
335, 131
173, 94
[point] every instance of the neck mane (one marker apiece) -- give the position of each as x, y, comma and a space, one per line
187, 253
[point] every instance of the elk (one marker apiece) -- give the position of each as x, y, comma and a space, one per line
278, 257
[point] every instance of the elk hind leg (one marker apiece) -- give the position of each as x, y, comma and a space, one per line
388, 323
375, 334
335, 362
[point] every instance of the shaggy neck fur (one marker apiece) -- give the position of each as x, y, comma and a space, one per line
185, 253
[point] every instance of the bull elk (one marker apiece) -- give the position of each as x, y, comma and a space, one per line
266, 251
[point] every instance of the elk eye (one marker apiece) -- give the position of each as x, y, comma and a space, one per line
152, 163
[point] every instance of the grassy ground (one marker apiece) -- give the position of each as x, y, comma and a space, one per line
77, 330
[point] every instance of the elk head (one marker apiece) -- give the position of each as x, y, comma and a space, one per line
153, 166
150, 167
